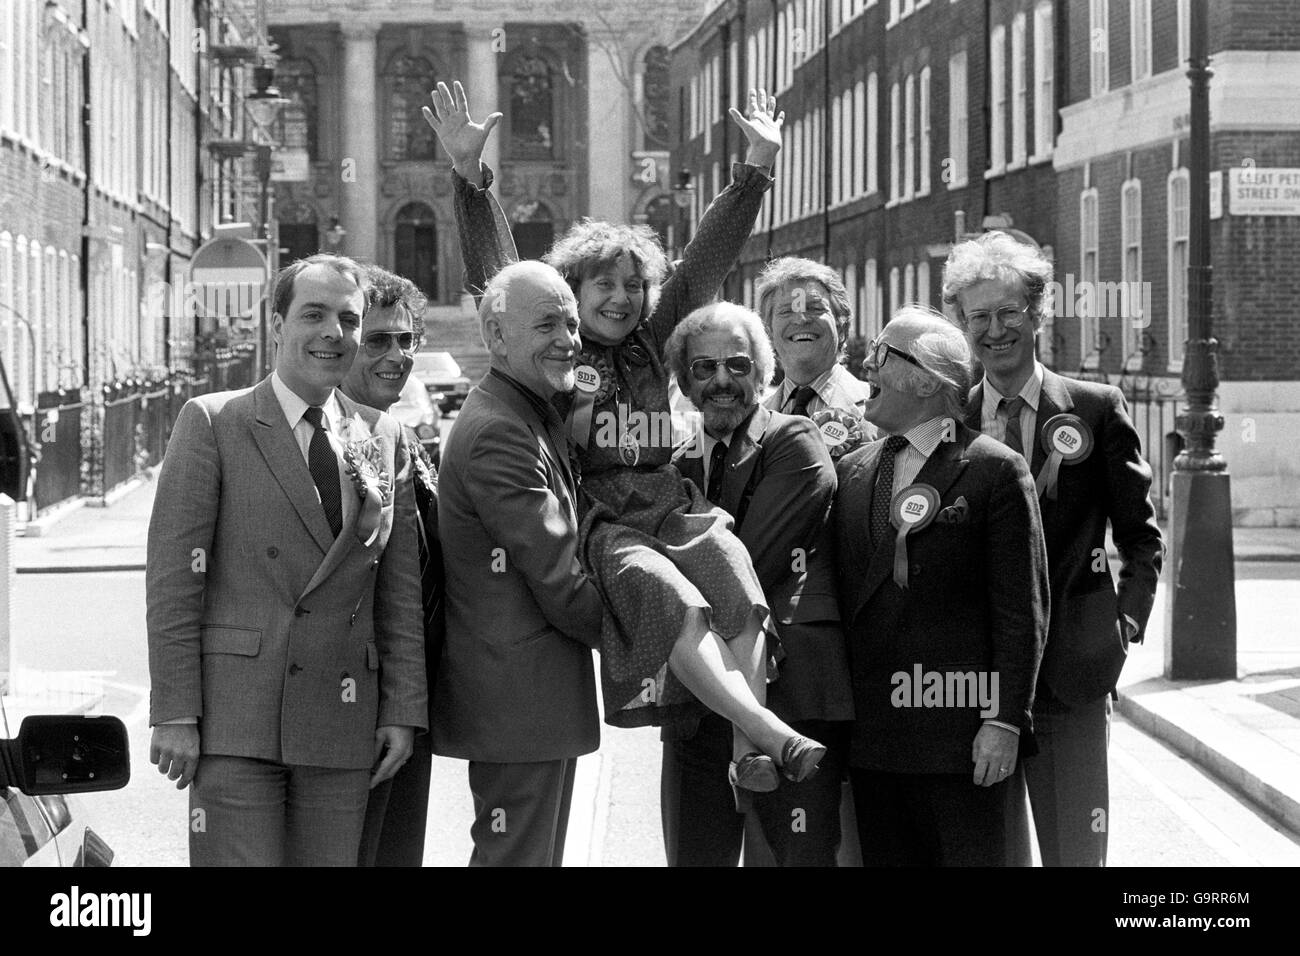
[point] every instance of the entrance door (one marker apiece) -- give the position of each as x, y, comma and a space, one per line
415, 248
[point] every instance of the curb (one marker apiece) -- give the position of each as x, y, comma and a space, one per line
79, 568
1257, 768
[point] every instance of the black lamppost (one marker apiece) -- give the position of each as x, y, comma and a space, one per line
1201, 626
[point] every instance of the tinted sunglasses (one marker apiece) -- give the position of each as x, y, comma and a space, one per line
378, 343
705, 368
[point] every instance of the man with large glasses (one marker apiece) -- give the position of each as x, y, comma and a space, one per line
943, 595
1087, 461
390, 336
773, 474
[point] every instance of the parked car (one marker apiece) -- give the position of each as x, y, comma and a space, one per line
440, 374
51, 757
415, 409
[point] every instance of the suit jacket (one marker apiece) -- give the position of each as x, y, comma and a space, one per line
845, 391
778, 486
290, 645
977, 602
1085, 652
516, 681
433, 586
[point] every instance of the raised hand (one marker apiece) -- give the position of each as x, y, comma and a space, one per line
761, 125
461, 137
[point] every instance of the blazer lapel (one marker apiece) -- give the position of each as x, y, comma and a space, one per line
1052, 401
351, 508
742, 459
284, 458
975, 408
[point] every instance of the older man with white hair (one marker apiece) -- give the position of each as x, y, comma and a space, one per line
516, 690
943, 594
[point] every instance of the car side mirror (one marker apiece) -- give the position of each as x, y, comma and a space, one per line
66, 754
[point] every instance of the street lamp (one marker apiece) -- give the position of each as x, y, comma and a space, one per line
1201, 626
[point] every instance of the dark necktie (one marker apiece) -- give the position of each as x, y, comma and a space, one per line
324, 468
1013, 408
801, 396
884, 490
716, 469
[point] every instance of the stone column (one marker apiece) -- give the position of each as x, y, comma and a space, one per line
608, 121
359, 170
481, 63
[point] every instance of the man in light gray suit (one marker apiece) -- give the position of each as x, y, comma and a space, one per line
285, 635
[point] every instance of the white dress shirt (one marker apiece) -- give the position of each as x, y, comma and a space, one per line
995, 425
294, 406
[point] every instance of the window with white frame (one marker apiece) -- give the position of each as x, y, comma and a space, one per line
1184, 34
998, 100
909, 283
893, 292
923, 282
1019, 92
909, 144
1044, 78
751, 64
895, 7
1139, 21
870, 312
1089, 274
958, 121
923, 122
846, 142
734, 93
895, 143
1099, 44
858, 181
837, 139
1179, 229
850, 279
7, 65
800, 128
873, 133
1134, 319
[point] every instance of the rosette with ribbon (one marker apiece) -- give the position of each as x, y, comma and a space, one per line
594, 383
841, 430
364, 461
1066, 439
911, 510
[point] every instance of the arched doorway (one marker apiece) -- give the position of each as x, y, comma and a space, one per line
533, 229
299, 234
415, 248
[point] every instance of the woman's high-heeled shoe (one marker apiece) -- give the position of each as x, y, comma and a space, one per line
800, 757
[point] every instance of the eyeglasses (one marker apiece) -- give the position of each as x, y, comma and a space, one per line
378, 343
880, 351
1010, 316
704, 369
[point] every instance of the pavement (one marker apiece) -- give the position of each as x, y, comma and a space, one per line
1246, 732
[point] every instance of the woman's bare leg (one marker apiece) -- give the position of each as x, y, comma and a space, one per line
730, 679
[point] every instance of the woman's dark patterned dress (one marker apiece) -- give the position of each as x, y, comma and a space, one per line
651, 541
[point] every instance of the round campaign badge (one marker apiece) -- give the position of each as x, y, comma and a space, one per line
588, 379
914, 507
834, 433
1069, 437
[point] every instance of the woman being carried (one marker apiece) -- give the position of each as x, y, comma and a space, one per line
685, 612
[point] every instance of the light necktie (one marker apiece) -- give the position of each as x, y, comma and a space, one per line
717, 467
884, 490
1012, 437
324, 467
801, 396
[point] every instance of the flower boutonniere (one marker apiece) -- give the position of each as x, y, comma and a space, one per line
421, 465
363, 458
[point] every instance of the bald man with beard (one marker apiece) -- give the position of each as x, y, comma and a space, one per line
516, 691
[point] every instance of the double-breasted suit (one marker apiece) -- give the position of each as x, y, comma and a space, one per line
289, 645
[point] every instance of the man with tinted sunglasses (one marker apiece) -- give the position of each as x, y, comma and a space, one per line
773, 474
390, 336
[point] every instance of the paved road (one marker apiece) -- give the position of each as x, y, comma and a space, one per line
1165, 811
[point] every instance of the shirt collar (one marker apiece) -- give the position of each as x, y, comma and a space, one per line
926, 436
819, 385
293, 405
1030, 392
